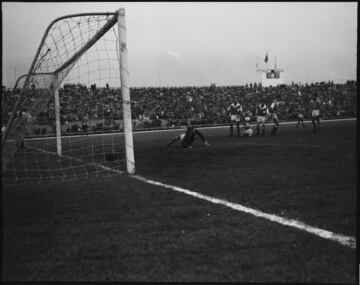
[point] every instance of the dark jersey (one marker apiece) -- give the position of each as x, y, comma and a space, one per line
261, 110
190, 137
315, 105
300, 110
235, 109
247, 115
247, 119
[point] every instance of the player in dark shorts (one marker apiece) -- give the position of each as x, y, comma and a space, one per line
300, 116
188, 138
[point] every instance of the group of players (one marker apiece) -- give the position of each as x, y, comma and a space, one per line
262, 113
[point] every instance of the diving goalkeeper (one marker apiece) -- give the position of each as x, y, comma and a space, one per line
188, 138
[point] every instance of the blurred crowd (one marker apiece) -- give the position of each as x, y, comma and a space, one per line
208, 105
173, 106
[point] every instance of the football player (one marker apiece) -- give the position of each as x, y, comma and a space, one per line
235, 111
188, 138
300, 116
261, 115
273, 115
315, 114
248, 131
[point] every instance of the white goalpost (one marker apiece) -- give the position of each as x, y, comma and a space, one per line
129, 145
57, 118
79, 75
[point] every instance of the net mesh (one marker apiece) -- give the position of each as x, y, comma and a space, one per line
79, 57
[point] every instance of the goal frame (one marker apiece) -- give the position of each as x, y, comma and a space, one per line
118, 17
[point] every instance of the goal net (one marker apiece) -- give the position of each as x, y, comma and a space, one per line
70, 115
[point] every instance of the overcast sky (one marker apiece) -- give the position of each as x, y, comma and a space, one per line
186, 43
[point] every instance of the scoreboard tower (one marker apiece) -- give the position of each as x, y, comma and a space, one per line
270, 76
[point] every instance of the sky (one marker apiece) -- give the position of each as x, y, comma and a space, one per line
200, 43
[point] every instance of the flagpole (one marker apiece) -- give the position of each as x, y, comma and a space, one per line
275, 62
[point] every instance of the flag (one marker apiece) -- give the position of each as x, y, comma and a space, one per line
266, 58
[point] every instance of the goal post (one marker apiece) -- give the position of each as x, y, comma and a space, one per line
57, 118
129, 145
78, 50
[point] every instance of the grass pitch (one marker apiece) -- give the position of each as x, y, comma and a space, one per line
115, 228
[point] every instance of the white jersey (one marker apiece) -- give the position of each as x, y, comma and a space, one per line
262, 110
274, 107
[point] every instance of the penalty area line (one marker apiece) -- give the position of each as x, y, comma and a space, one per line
339, 238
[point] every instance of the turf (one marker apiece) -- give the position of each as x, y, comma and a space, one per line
109, 227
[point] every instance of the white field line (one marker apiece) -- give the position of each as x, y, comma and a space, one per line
339, 238
344, 240
179, 129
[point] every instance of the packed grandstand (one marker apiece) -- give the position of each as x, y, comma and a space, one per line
99, 109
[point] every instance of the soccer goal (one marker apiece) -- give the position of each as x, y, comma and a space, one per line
70, 115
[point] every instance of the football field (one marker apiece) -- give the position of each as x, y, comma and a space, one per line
246, 209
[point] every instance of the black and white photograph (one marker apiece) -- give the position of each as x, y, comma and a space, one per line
179, 142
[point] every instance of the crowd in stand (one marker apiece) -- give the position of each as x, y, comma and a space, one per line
207, 105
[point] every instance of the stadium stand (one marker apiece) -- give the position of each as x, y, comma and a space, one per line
99, 109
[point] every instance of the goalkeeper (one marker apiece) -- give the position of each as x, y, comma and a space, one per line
188, 138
